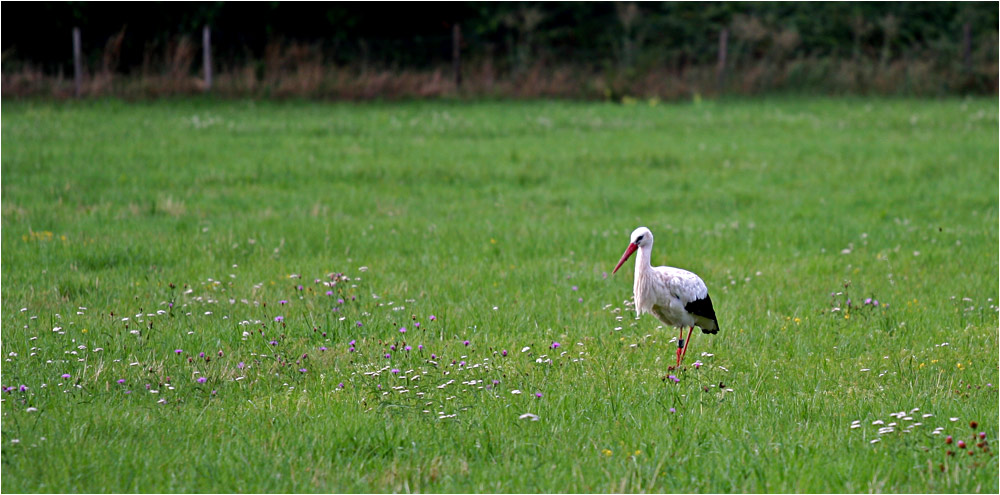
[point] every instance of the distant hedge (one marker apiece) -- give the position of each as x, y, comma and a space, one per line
774, 44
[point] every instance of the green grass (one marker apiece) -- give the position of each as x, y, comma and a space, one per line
503, 220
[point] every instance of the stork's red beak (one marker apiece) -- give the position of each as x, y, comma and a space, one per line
628, 252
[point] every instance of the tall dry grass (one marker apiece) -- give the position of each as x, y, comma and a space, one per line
299, 70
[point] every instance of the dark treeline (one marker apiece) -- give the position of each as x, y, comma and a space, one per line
776, 45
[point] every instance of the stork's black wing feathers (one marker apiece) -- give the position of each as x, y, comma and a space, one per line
703, 308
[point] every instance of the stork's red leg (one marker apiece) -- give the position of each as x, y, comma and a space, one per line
680, 346
688, 341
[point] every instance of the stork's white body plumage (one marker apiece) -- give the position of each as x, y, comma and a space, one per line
674, 296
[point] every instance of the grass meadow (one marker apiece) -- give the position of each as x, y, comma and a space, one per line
246, 296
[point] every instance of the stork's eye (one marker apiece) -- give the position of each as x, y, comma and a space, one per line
638, 239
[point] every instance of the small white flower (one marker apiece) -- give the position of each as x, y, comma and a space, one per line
515, 392
530, 416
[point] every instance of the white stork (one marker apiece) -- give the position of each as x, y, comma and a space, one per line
676, 297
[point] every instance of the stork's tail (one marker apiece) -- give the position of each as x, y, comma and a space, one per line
704, 314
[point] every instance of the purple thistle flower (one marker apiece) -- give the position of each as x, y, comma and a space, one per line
66, 376
351, 343
672, 410
407, 348
579, 299
322, 348
282, 302
504, 352
359, 323
875, 302
121, 381
697, 364
388, 356
128, 391
273, 342
395, 371
496, 382
329, 292
339, 300
868, 301
432, 318
279, 319
298, 287
433, 356
202, 379
241, 365
466, 342
538, 394
402, 330
214, 392
201, 354
575, 288
462, 363
350, 349
420, 347
220, 352
340, 385
555, 345
302, 370
417, 324
674, 378
178, 351
392, 347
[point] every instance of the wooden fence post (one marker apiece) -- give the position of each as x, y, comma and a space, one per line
77, 63
720, 70
206, 42
456, 54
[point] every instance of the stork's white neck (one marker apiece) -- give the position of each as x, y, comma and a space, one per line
642, 264
640, 287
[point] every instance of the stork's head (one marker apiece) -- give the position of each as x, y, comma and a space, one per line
641, 238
